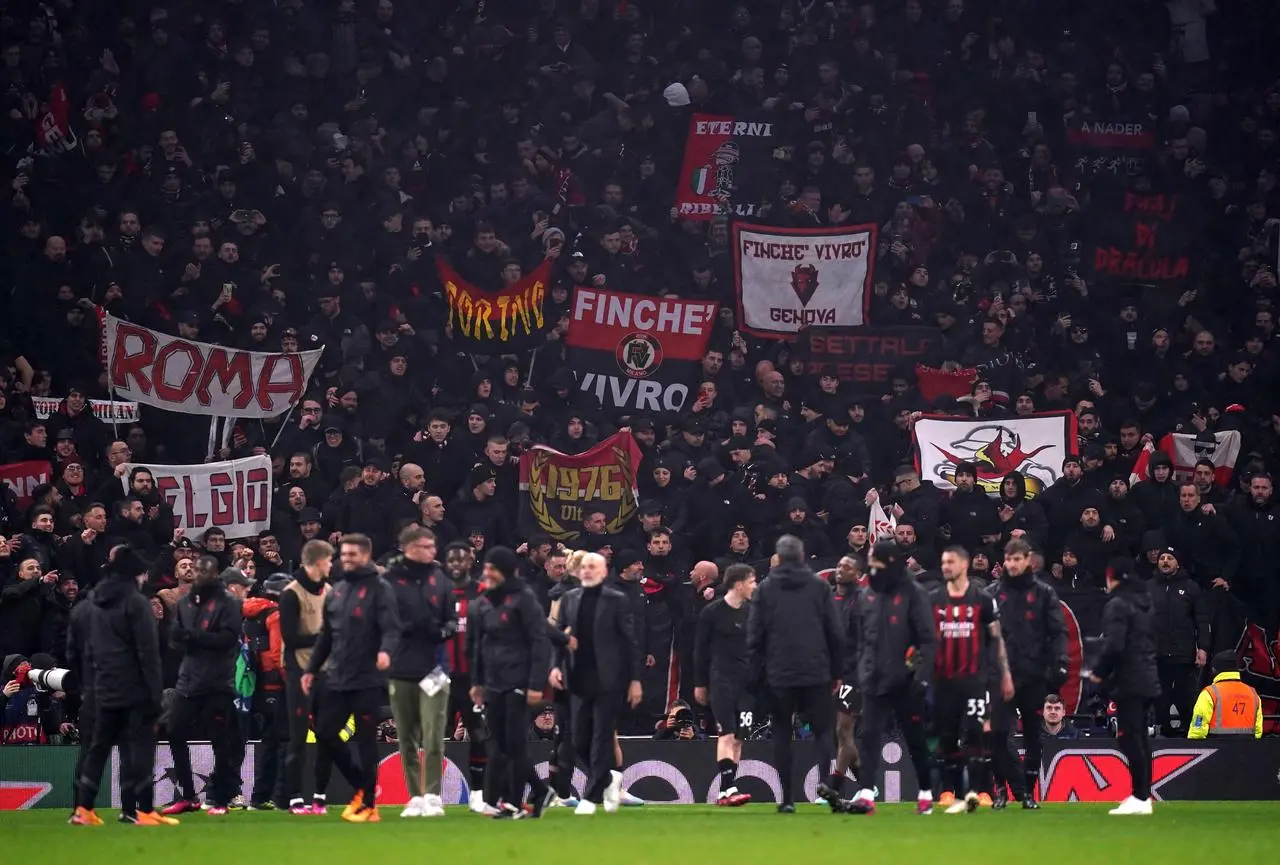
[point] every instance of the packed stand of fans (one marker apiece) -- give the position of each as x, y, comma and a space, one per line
284, 175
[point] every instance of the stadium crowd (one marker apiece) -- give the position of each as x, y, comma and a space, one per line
284, 175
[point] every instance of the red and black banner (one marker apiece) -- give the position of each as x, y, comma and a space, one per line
560, 490
638, 353
1143, 239
497, 322
868, 357
1110, 148
725, 169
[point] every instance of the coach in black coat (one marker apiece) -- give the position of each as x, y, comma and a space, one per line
600, 666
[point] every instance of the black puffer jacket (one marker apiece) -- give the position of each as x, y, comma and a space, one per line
126, 647
509, 643
360, 620
207, 631
1127, 665
1180, 617
794, 634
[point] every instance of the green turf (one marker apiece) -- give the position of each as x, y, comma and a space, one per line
895, 835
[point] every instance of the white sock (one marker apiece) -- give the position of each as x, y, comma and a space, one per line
866, 794
927, 795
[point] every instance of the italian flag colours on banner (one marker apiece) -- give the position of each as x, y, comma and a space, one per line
1222, 449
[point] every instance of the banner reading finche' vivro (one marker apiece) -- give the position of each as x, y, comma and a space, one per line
725, 159
791, 279
494, 322
1143, 239
637, 352
560, 490
1035, 445
182, 375
234, 495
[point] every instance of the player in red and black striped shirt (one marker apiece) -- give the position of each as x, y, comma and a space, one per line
969, 643
459, 562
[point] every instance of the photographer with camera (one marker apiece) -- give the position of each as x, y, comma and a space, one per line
679, 724
32, 712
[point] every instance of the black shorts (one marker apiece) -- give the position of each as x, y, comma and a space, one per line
960, 708
848, 699
733, 709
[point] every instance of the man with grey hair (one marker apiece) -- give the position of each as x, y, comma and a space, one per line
600, 672
795, 640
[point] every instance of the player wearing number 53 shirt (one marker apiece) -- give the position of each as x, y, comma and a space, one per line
722, 674
969, 642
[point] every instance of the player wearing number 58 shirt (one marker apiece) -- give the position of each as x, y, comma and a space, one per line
968, 629
722, 675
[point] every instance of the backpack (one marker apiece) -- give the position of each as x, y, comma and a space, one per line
265, 647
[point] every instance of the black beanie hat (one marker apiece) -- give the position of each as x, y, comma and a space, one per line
503, 560
886, 552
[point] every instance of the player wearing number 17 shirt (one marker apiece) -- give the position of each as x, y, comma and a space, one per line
722, 672
969, 644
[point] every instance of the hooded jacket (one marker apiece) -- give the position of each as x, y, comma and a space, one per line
126, 647
510, 649
1127, 664
1179, 617
794, 633
360, 621
1157, 500
1028, 515
207, 631
894, 623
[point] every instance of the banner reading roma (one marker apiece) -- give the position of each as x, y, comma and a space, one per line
181, 375
725, 161
560, 490
637, 352
1143, 239
105, 410
867, 357
1035, 445
234, 495
23, 478
492, 322
791, 279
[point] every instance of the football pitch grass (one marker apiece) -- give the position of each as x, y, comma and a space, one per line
1062, 834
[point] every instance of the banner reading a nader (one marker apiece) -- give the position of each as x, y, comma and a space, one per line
559, 491
182, 375
637, 352
726, 161
496, 322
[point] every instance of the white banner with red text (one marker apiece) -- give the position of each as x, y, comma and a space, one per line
182, 375
234, 496
105, 410
790, 279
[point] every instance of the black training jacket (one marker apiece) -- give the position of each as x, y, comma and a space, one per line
1127, 666
509, 643
424, 601
896, 636
1033, 627
207, 630
1180, 617
793, 630
360, 620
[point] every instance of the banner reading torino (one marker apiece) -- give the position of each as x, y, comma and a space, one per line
234, 495
495, 322
182, 375
637, 352
791, 279
559, 490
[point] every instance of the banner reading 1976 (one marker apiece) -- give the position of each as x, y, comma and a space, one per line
561, 490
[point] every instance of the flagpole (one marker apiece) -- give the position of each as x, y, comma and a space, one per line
533, 359
213, 438
280, 431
